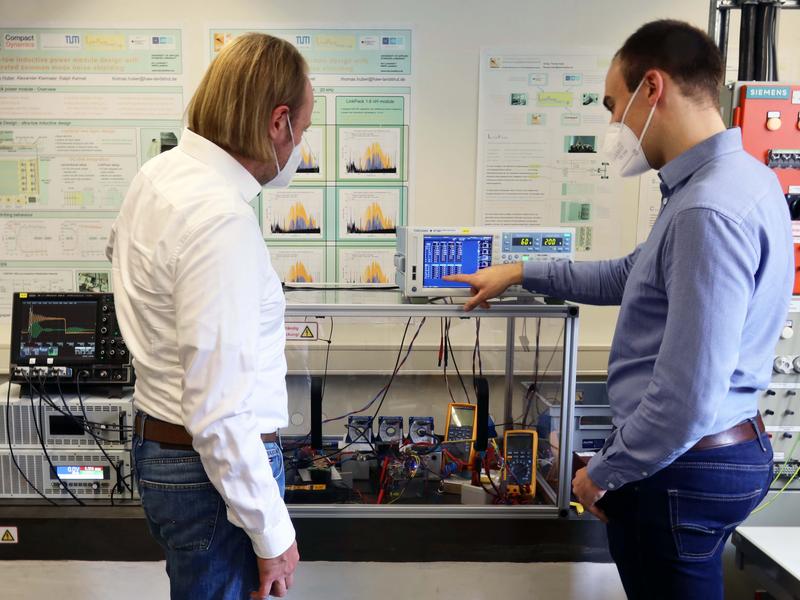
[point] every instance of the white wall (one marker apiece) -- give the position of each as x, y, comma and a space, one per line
448, 36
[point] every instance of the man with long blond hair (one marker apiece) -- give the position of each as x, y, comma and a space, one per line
201, 309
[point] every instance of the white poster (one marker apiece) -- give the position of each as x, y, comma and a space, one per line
650, 202
540, 133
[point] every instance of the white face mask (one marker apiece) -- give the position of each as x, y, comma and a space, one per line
621, 147
284, 176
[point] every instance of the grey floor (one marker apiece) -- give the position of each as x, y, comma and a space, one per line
29, 580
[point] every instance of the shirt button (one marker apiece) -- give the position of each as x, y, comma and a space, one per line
644, 473
611, 486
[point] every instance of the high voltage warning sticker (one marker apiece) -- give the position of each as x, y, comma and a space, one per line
306, 331
9, 535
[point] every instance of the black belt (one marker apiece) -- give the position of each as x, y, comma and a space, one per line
156, 430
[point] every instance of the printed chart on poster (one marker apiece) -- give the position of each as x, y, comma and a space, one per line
540, 132
362, 266
299, 264
352, 188
81, 110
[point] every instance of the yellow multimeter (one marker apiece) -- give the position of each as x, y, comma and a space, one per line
462, 419
520, 447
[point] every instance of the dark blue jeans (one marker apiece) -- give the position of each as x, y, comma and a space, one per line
666, 533
208, 558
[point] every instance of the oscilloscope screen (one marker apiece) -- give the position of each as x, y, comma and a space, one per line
64, 331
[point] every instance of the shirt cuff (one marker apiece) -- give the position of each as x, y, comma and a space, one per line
603, 476
536, 276
276, 540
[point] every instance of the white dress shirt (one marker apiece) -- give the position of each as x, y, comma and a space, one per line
201, 310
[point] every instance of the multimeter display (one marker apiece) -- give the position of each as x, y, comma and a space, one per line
522, 242
461, 427
520, 459
552, 241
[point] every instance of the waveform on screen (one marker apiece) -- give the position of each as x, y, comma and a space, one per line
373, 273
374, 160
298, 221
309, 162
37, 325
372, 221
298, 273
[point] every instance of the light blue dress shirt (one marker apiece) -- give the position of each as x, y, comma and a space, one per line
702, 303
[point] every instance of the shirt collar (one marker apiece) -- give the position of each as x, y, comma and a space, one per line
682, 167
208, 153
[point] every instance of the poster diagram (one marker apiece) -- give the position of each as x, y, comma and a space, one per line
312, 149
298, 264
369, 213
82, 110
650, 201
368, 153
296, 213
353, 184
54, 239
366, 267
540, 131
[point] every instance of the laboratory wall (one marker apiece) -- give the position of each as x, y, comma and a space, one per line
448, 36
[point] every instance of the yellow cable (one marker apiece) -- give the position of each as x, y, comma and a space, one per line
783, 489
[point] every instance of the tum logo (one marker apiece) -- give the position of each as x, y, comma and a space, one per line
304, 41
72, 40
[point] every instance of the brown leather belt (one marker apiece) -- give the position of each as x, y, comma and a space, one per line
155, 430
743, 432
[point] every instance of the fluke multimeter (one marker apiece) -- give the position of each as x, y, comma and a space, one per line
519, 472
461, 423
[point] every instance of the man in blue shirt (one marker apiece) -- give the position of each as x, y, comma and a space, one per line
702, 302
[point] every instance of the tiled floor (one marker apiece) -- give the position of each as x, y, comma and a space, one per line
34, 580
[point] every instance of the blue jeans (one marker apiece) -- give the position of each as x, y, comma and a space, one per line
666, 533
208, 558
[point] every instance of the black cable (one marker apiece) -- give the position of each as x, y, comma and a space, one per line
329, 341
385, 390
533, 389
11, 449
455, 363
44, 447
84, 421
114, 487
96, 439
445, 351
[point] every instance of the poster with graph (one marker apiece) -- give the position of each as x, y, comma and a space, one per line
298, 264
365, 266
354, 184
293, 214
367, 214
370, 153
69, 148
312, 153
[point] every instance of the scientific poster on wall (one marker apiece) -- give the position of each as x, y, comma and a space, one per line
337, 223
80, 111
540, 132
650, 202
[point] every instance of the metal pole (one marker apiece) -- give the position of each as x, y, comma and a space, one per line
714, 29
508, 405
569, 373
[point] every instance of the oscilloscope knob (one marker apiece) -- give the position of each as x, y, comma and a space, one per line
104, 330
105, 308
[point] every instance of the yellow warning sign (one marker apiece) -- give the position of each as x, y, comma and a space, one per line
9, 535
307, 333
